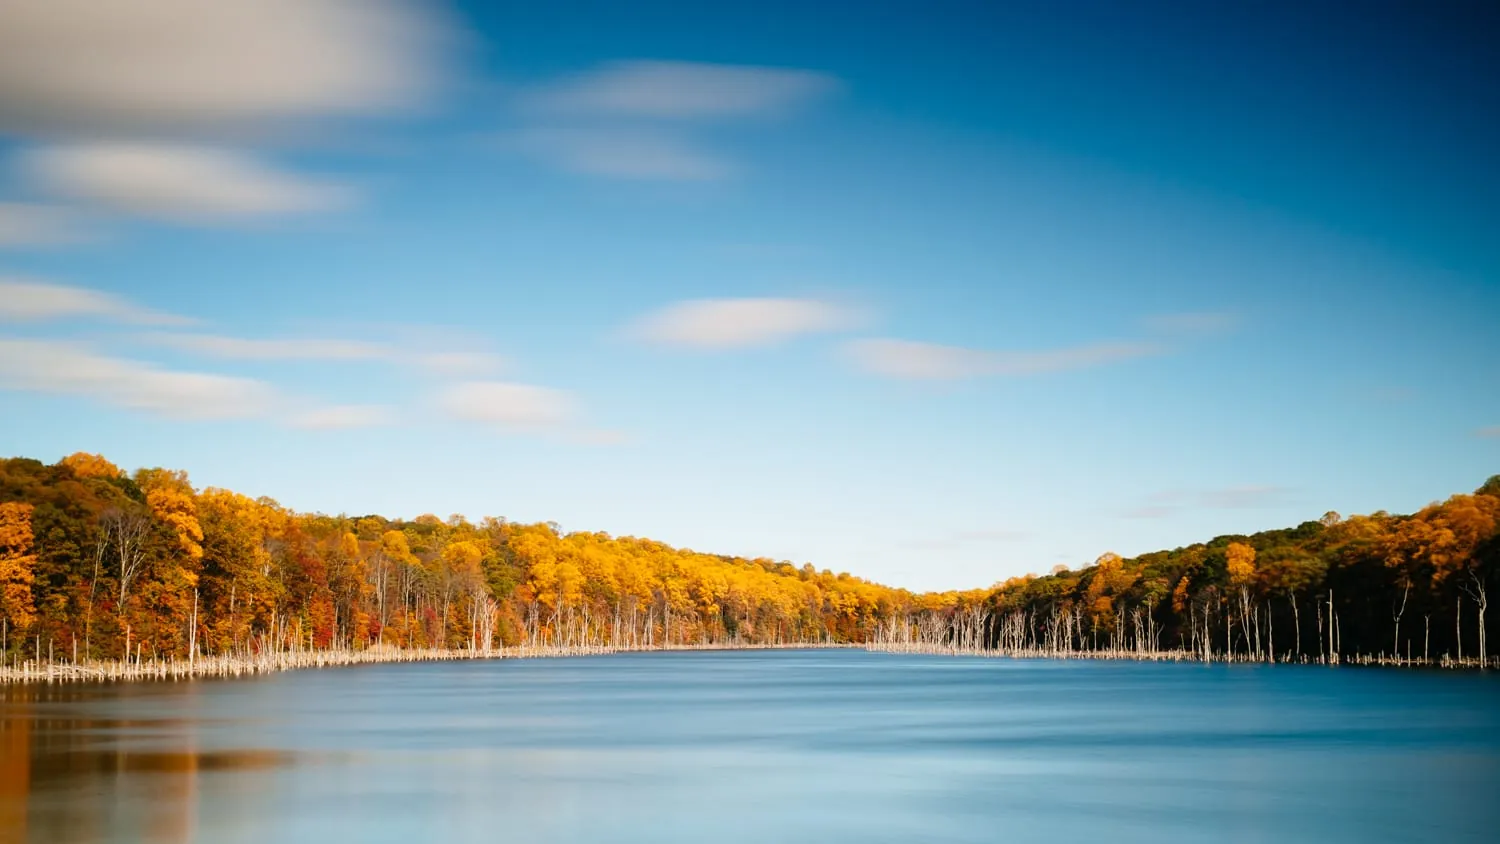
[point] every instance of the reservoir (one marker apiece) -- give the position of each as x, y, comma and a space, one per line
759, 746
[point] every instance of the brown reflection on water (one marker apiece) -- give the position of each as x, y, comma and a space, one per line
15, 773
69, 773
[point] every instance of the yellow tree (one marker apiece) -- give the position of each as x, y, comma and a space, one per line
173, 503
85, 465
1239, 560
238, 566
1454, 531
1111, 578
17, 566
461, 575
396, 559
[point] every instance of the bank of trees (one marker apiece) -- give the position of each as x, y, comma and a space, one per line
1411, 588
105, 564
101, 564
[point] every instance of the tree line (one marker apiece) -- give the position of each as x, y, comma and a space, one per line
1391, 588
100, 564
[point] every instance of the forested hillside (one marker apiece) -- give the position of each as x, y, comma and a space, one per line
1403, 588
94, 561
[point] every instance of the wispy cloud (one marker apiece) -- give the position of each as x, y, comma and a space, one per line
24, 224
1193, 323
239, 348
46, 366
446, 363
740, 323
177, 183
28, 300
1491, 432
206, 83
913, 360
73, 369
635, 119
678, 90
508, 406
623, 153
190, 66
342, 417
460, 364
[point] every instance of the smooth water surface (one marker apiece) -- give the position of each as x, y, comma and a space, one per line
790, 746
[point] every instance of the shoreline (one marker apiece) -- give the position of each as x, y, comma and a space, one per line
1178, 655
242, 665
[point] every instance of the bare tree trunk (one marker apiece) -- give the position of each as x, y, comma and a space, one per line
1396, 614
193, 632
1479, 592
1458, 627
1296, 625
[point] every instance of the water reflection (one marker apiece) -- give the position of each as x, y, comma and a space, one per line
744, 747
67, 774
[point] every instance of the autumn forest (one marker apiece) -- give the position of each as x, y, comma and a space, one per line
97, 564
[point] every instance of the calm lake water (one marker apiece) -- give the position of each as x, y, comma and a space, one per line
793, 746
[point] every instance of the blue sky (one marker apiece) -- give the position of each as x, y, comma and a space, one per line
935, 294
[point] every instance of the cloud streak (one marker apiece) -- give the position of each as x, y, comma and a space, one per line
27, 300
635, 119
1193, 323
911, 360
508, 406
30, 225
340, 417
58, 368
70, 369
238, 348
681, 90
740, 323
446, 363
623, 153
190, 66
178, 183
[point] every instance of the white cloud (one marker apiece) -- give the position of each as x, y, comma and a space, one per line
662, 89
29, 224
180, 183
506, 405
738, 323
632, 153
452, 364
625, 120
930, 361
238, 348
600, 437
45, 366
25, 300
153, 65
342, 416
458, 364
